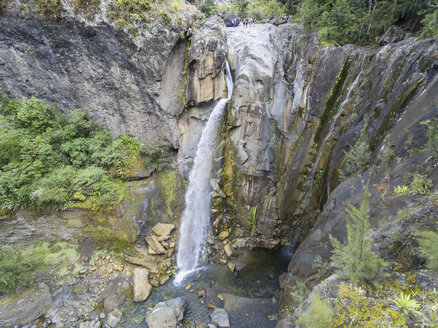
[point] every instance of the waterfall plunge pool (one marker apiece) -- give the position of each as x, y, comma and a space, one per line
249, 295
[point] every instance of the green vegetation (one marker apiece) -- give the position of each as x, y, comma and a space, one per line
49, 256
406, 303
158, 156
432, 135
386, 156
300, 292
361, 21
165, 16
430, 21
252, 219
127, 12
168, 185
419, 185
368, 306
259, 9
59, 257
339, 21
113, 233
355, 260
358, 157
48, 159
14, 272
49, 8
429, 244
319, 314
88, 7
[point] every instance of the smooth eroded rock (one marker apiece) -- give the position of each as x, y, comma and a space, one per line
230, 251
141, 286
220, 317
155, 246
114, 318
163, 229
23, 308
166, 314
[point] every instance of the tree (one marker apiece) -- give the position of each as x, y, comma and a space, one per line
355, 260
429, 245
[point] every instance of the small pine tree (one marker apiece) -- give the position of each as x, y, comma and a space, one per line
429, 245
355, 260
358, 157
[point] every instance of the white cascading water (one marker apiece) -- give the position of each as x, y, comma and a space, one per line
195, 221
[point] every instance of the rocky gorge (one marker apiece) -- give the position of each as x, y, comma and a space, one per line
284, 170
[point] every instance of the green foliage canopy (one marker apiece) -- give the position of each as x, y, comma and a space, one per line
50, 159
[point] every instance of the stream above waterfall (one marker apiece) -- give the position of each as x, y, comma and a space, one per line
250, 295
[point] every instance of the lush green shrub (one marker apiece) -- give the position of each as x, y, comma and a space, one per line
432, 135
13, 271
355, 260
168, 185
430, 23
158, 156
429, 243
265, 9
125, 12
421, 185
361, 22
319, 314
50, 159
358, 157
208, 7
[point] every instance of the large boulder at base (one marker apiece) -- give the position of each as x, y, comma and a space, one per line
91, 324
114, 318
141, 286
166, 314
228, 19
25, 307
163, 229
220, 317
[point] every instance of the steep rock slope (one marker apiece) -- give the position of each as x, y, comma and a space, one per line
128, 82
296, 109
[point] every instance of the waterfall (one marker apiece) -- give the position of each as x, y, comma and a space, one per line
195, 220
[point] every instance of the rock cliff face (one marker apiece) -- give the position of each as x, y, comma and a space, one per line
297, 108
129, 84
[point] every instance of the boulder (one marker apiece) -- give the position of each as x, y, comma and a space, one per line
114, 318
392, 35
91, 324
201, 293
21, 309
141, 286
220, 317
113, 301
155, 246
166, 314
228, 19
230, 251
163, 229
223, 235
